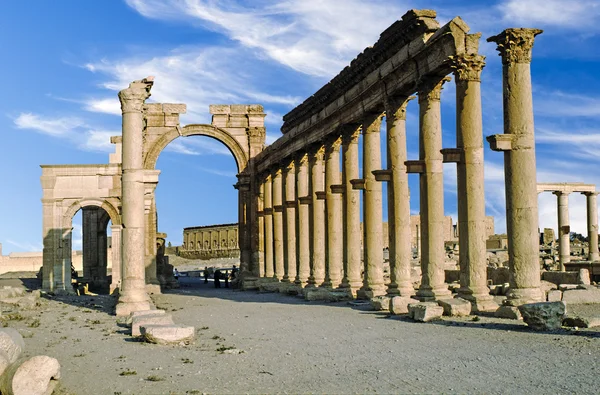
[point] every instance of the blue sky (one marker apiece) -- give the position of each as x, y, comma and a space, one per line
64, 62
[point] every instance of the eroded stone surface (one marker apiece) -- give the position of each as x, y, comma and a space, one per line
426, 311
144, 313
510, 312
167, 334
399, 304
456, 307
145, 320
544, 316
34, 376
380, 303
554, 295
327, 295
581, 296
582, 322
11, 342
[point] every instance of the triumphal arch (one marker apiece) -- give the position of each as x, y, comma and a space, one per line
300, 211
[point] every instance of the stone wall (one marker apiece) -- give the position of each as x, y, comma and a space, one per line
213, 241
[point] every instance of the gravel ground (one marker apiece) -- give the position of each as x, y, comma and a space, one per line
269, 343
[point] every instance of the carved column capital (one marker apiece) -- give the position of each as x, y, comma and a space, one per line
301, 159
333, 144
468, 67
515, 45
276, 172
350, 134
372, 123
132, 98
430, 88
561, 193
395, 106
317, 152
588, 194
289, 165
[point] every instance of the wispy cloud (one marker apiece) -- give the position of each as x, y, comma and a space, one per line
198, 146
574, 14
26, 246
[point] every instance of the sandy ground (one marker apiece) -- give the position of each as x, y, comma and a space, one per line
269, 343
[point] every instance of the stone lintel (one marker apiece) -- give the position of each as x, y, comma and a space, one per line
358, 184
452, 155
337, 188
278, 208
305, 199
415, 166
566, 187
268, 211
500, 142
321, 195
382, 175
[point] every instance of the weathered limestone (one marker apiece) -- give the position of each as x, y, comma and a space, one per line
372, 210
470, 183
399, 231
278, 254
333, 208
518, 144
302, 220
351, 204
456, 307
576, 296
289, 212
31, 376
145, 320
132, 295
425, 312
564, 229
11, 344
317, 217
381, 303
431, 193
592, 225
399, 304
269, 235
167, 334
544, 316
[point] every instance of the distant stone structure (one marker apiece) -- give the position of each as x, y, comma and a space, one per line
213, 241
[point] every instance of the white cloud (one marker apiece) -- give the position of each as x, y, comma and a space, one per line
576, 14
106, 106
198, 146
564, 104
26, 246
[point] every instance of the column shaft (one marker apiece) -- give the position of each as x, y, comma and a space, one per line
592, 225
372, 210
399, 232
290, 205
334, 214
431, 193
564, 230
351, 206
317, 223
278, 224
302, 222
269, 239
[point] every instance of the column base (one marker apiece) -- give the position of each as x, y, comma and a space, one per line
481, 301
519, 296
124, 309
153, 289
353, 285
368, 293
249, 283
429, 294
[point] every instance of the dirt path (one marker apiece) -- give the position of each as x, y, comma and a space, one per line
288, 345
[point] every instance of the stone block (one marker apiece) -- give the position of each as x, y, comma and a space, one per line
289, 288
268, 286
554, 295
34, 376
399, 304
220, 120
560, 277
237, 121
509, 312
544, 316
11, 343
582, 322
581, 296
425, 312
11, 292
255, 109
167, 334
171, 120
219, 109
141, 313
495, 289
584, 277
327, 294
456, 307
380, 303
153, 108
155, 120
256, 120
145, 320
174, 108
564, 287
239, 109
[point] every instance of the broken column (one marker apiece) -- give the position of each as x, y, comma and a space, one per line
564, 229
518, 144
132, 295
592, 225
470, 184
431, 192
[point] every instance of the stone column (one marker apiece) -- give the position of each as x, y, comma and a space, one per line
431, 193
351, 206
333, 208
278, 223
302, 220
317, 220
133, 296
372, 210
470, 184
399, 232
290, 222
116, 257
564, 229
592, 225
518, 142
269, 237
260, 254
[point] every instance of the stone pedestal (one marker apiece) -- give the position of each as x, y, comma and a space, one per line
351, 206
431, 193
133, 296
470, 184
592, 225
372, 214
399, 231
302, 219
333, 208
564, 229
518, 144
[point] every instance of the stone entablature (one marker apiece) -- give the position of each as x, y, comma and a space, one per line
213, 241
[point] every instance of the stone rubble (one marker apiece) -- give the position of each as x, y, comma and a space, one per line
544, 316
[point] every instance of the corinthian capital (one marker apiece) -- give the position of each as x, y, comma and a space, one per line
430, 88
515, 45
395, 106
132, 99
468, 67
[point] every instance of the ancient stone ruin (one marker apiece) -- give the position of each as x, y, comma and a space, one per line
299, 226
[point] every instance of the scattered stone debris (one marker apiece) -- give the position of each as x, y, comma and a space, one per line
425, 311
544, 316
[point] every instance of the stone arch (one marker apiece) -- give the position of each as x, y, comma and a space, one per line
110, 209
240, 155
